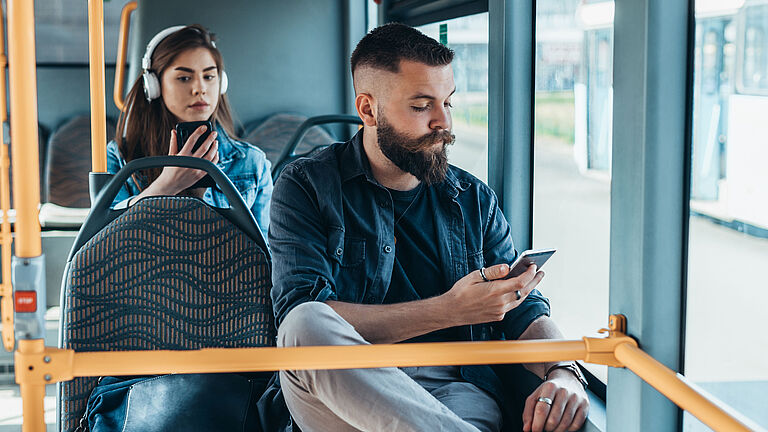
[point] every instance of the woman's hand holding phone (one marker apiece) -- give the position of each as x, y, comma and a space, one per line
176, 179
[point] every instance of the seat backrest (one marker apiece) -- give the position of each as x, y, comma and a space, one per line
169, 273
274, 133
69, 161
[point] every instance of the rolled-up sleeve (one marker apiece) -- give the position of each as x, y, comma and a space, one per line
301, 269
499, 248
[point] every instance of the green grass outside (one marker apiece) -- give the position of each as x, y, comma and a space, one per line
554, 115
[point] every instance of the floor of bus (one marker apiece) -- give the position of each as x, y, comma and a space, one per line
740, 380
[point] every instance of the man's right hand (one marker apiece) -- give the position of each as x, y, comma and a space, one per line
472, 300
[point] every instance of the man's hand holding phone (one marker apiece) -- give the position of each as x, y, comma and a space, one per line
488, 296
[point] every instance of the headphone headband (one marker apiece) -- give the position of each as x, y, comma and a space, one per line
146, 61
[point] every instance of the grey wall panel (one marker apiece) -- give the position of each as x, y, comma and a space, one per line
64, 92
279, 56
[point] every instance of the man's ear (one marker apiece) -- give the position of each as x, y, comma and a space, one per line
366, 107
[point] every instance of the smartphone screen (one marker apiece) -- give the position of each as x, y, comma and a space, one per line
185, 129
525, 259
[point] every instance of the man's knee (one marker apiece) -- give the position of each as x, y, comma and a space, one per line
310, 324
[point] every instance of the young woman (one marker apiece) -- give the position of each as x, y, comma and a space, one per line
183, 81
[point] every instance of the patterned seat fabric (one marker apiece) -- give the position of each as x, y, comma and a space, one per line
169, 273
69, 161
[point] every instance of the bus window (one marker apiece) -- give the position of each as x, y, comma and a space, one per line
61, 31
572, 153
754, 58
728, 224
468, 37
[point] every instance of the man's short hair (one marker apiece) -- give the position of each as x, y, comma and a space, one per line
384, 47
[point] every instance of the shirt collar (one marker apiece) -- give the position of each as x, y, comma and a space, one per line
227, 150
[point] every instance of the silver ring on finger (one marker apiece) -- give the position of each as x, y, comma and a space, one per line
482, 274
518, 296
546, 400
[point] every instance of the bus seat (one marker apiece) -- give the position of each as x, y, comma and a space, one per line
166, 273
69, 161
274, 133
292, 150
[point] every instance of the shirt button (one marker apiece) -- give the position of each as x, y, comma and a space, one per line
387, 249
339, 251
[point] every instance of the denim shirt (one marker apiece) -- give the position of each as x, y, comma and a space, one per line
332, 238
245, 165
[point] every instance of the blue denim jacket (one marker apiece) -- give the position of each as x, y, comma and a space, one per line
332, 238
245, 165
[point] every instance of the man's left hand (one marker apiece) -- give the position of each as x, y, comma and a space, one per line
569, 405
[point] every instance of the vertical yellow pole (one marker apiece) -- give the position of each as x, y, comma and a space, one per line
6, 289
32, 394
98, 94
23, 77
26, 187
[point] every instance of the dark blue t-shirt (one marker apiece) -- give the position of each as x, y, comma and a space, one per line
417, 273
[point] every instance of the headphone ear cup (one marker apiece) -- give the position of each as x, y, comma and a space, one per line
224, 83
151, 86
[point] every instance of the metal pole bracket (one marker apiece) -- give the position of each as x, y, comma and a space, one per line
48, 366
602, 350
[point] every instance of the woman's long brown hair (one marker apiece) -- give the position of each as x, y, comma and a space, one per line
144, 127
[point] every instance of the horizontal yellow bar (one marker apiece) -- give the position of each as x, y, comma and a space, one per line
324, 357
674, 386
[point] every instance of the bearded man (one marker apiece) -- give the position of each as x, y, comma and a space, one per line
380, 240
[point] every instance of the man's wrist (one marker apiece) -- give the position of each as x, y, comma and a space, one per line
566, 369
440, 313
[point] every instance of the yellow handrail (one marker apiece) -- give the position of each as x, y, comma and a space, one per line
6, 288
98, 96
122, 48
26, 187
23, 77
63, 364
676, 388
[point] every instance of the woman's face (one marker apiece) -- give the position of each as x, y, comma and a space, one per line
190, 85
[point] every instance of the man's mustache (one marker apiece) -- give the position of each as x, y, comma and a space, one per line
438, 135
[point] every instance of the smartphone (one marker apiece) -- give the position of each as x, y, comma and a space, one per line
525, 259
185, 129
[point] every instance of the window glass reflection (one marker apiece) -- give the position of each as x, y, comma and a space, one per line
725, 341
572, 155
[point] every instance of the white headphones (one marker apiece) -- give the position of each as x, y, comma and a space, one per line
151, 82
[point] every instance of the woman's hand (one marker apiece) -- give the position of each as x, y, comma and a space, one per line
176, 179
173, 180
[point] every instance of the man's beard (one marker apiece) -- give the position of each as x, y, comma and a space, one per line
415, 155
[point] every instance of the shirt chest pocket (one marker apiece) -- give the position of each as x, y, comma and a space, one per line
346, 251
475, 260
247, 189
347, 258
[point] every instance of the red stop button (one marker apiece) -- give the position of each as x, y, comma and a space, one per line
26, 301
